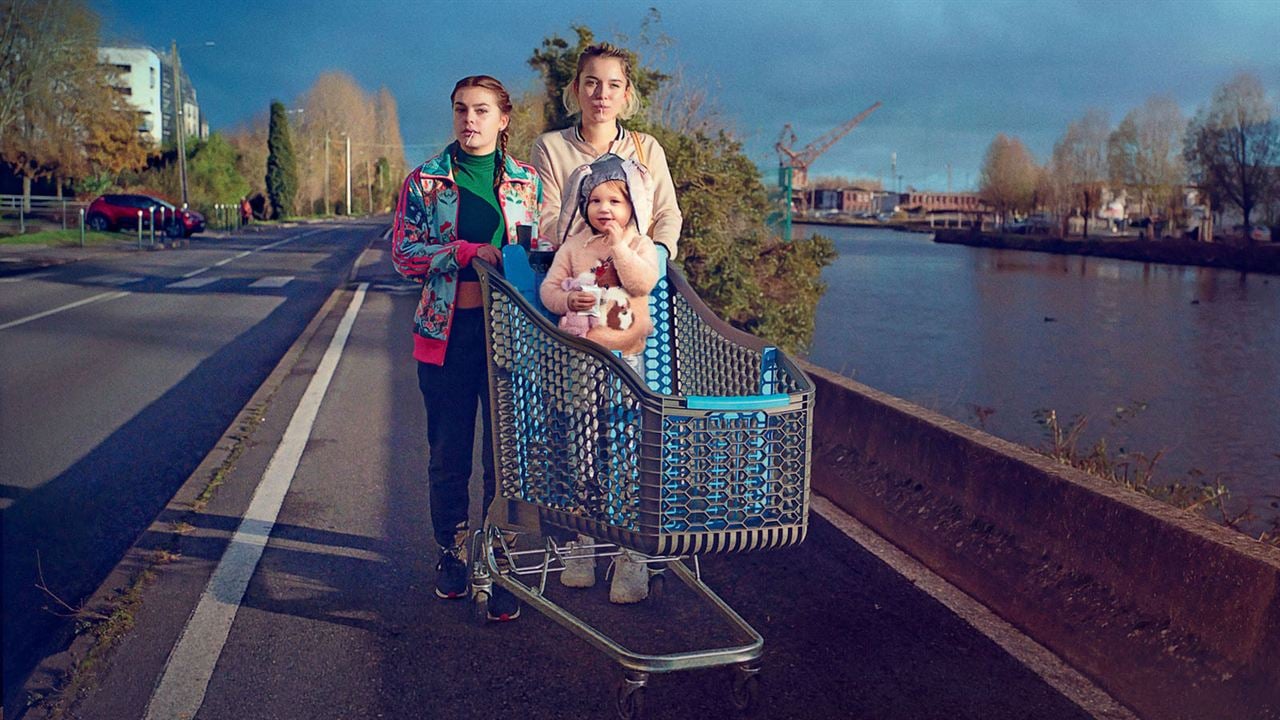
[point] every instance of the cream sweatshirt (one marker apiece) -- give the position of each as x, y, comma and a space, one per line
557, 154
635, 259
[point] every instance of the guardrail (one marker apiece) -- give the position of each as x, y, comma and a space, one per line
43, 206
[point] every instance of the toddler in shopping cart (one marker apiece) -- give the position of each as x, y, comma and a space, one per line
602, 220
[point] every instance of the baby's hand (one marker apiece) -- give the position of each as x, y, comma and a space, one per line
579, 301
612, 235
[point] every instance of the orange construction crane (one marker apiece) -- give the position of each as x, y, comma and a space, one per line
793, 165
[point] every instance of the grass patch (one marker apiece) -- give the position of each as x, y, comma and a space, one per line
240, 442
108, 629
1198, 493
68, 238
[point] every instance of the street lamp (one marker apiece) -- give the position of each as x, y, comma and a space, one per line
180, 125
326, 171
348, 137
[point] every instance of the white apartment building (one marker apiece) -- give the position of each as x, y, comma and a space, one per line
139, 79
146, 78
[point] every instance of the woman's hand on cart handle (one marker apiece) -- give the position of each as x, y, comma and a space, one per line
489, 254
579, 301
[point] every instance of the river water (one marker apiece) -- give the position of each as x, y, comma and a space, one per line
955, 329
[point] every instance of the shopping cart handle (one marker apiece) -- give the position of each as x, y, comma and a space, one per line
745, 402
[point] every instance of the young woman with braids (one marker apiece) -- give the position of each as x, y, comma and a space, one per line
601, 94
464, 203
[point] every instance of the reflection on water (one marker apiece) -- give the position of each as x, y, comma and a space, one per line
955, 329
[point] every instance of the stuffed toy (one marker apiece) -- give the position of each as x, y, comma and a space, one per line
580, 323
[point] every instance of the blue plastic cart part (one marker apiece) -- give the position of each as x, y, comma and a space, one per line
745, 402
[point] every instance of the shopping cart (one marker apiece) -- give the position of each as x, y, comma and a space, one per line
707, 453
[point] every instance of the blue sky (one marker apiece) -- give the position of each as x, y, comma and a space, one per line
950, 74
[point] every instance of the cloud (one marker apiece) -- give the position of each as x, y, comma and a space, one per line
951, 74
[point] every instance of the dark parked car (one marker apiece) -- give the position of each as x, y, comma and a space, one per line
115, 212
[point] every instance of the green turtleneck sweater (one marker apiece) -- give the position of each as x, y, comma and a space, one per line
479, 216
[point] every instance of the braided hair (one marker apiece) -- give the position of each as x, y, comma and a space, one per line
504, 106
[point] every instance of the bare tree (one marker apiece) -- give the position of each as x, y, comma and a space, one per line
1008, 178
1233, 147
31, 33
528, 121
389, 150
687, 105
1079, 162
338, 110
1144, 153
250, 142
836, 182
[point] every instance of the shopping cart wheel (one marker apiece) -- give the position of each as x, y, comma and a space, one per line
657, 588
480, 608
631, 695
745, 692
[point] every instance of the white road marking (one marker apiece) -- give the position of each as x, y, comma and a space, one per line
272, 281
181, 689
100, 296
1060, 676
190, 283
247, 253
114, 279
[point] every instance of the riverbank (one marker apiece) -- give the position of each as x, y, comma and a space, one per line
1255, 259
912, 227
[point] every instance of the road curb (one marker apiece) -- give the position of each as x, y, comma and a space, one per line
51, 677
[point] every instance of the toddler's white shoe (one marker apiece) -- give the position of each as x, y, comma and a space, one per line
579, 566
630, 579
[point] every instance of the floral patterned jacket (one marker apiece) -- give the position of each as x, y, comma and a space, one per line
425, 246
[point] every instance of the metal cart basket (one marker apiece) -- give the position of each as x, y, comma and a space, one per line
707, 453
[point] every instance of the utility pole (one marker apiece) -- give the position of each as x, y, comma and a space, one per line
893, 170
326, 172
348, 174
178, 125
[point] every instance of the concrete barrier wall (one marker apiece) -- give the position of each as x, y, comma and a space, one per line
1174, 615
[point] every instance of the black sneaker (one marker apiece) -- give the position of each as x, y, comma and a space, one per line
451, 574
503, 606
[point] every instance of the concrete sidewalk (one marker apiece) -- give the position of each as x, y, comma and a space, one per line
339, 618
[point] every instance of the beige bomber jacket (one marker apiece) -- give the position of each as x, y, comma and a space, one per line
557, 154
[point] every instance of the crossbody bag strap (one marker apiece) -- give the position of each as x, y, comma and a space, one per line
635, 138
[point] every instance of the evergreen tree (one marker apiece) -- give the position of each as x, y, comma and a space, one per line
282, 173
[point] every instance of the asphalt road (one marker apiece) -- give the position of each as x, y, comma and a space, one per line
339, 619
106, 407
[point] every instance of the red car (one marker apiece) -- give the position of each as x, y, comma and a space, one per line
116, 212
